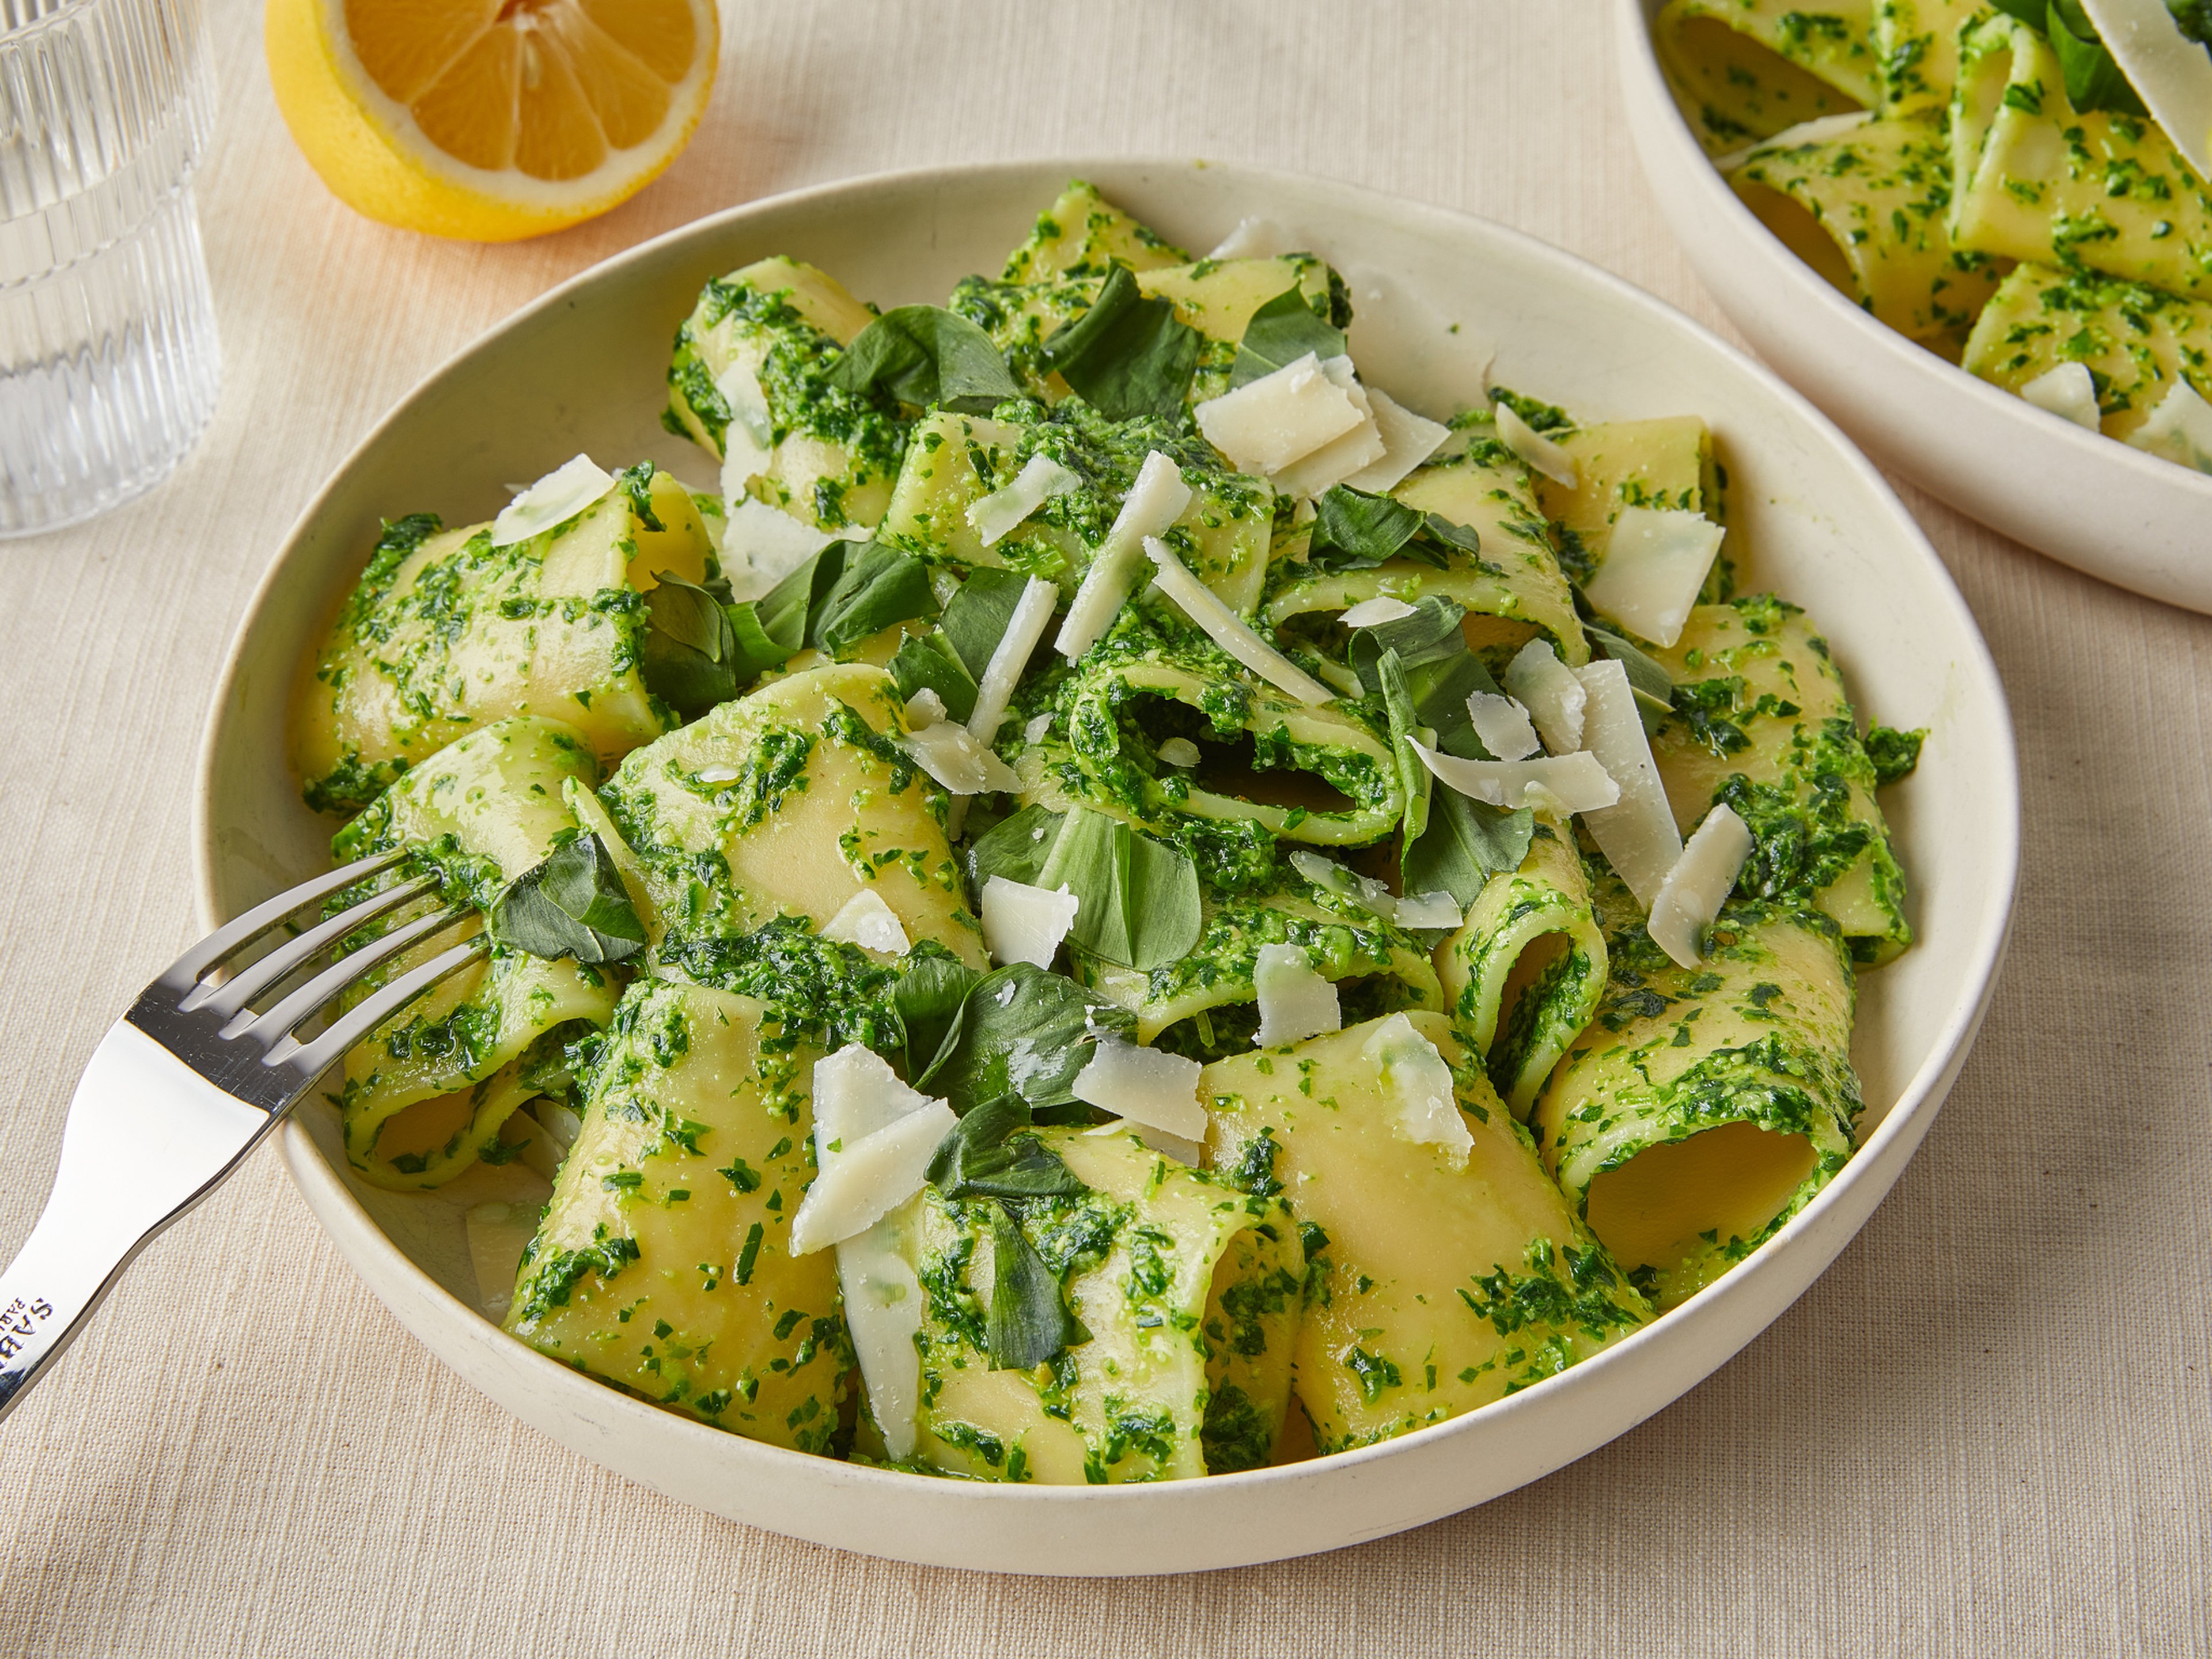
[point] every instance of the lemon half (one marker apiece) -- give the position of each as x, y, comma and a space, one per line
490, 119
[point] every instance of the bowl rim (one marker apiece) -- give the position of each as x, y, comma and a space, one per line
1906, 1119
1644, 78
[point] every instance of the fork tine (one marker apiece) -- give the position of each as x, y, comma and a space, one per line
281, 1020
228, 999
188, 968
313, 1059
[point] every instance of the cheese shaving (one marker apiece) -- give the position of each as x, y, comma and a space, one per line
2180, 429
1180, 752
951, 755
762, 544
1265, 424
883, 1312
1502, 726
1548, 690
995, 689
1356, 451
867, 921
1154, 500
1226, 630
1295, 1002
2169, 71
873, 1138
1147, 1086
748, 448
1419, 1084
1407, 441
1637, 834
1258, 238
1370, 613
1022, 923
1656, 561
555, 499
1418, 910
1557, 784
1698, 885
998, 514
2068, 391
1534, 448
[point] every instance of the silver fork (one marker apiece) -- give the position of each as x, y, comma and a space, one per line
184, 1085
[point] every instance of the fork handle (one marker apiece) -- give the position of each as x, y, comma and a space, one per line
146, 1139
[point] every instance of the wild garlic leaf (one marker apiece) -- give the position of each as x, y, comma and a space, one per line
1280, 332
1139, 896
1014, 847
2093, 80
878, 586
1466, 842
1431, 634
926, 356
1021, 1030
976, 617
928, 999
929, 663
573, 904
1029, 1321
789, 610
1653, 685
690, 657
994, 1152
1128, 357
1358, 530
1412, 774
1440, 694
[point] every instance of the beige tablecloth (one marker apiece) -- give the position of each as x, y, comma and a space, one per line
1988, 1429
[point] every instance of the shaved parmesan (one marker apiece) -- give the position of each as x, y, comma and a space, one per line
1637, 834
1421, 910
2169, 71
1032, 615
1432, 362
1340, 457
1420, 1086
1265, 424
996, 515
718, 774
1820, 130
1370, 613
1038, 725
1698, 885
1429, 910
1022, 923
1295, 1002
749, 440
951, 755
1407, 441
555, 499
1255, 238
1548, 690
1181, 752
1502, 725
1147, 1086
1656, 562
873, 1138
1534, 448
1154, 500
1203, 606
867, 921
2069, 391
1558, 784
762, 544
2180, 429
924, 708
883, 1312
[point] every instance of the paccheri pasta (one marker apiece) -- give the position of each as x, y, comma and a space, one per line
1092, 916
1984, 176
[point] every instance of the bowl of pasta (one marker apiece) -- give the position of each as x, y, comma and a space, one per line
1967, 239
1173, 865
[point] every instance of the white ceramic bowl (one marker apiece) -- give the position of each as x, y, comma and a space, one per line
2101, 507
582, 370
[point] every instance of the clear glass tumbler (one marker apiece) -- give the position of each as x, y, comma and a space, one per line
109, 365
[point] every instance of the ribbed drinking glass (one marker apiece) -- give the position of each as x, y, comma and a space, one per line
109, 365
